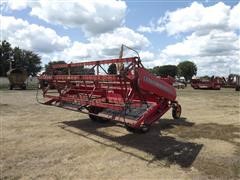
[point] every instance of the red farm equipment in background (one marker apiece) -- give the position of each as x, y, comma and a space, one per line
133, 96
213, 83
232, 81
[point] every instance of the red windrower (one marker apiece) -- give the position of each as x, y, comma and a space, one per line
134, 96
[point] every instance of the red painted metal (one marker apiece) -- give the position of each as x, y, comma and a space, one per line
134, 96
213, 83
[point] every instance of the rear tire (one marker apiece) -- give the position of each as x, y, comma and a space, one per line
98, 119
130, 129
176, 111
237, 88
94, 118
143, 129
24, 87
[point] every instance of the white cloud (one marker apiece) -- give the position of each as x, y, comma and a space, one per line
120, 36
216, 43
197, 18
17, 4
146, 56
31, 36
52, 46
92, 16
214, 53
212, 41
234, 20
106, 45
151, 29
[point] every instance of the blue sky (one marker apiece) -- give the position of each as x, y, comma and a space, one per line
164, 32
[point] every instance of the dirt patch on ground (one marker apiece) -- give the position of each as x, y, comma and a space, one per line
225, 132
43, 142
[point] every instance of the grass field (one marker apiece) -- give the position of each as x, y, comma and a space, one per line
43, 142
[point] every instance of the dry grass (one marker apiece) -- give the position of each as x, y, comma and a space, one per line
42, 142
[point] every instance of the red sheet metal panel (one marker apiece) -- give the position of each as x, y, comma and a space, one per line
150, 83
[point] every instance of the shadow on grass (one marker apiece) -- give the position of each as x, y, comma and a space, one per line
161, 148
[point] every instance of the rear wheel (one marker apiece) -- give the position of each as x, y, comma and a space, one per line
94, 118
130, 129
176, 111
98, 119
24, 87
237, 88
143, 129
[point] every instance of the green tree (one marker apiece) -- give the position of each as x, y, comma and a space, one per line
150, 70
20, 58
49, 70
27, 60
154, 70
187, 69
167, 70
6, 54
48, 66
206, 77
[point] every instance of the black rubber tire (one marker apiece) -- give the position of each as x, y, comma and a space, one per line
11, 87
98, 119
24, 87
143, 129
94, 118
176, 111
130, 129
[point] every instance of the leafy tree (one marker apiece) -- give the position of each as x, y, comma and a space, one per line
48, 69
27, 60
187, 69
167, 70
6, 54
154, 70
48, 66
206, 77
150, 70
20, 59
112, 69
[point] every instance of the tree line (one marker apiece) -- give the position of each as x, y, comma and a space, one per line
186, 69
20, 58
31, 62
